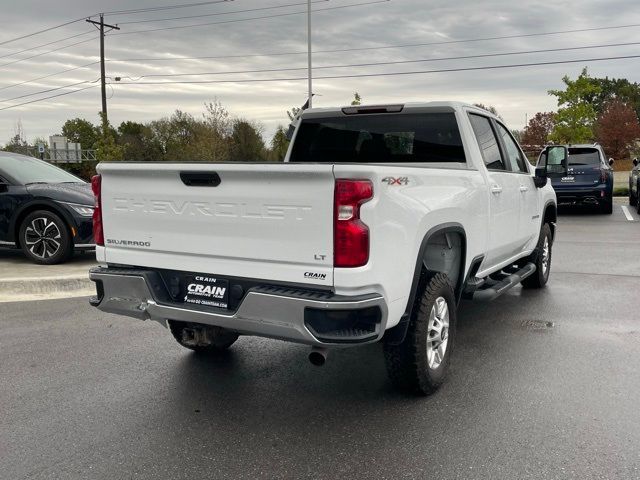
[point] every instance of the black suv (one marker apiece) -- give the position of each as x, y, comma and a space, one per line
587, 177
43, 209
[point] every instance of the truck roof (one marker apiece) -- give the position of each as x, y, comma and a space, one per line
408, 106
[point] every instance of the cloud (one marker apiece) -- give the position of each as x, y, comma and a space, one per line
514, 92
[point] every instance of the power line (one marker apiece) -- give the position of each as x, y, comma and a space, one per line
49, 75
41, 31
385, 74
175, 27
47, 52
47, 98
396, 62
45, 44
164, 7
48, 90
382, 47
116, 12
221, 13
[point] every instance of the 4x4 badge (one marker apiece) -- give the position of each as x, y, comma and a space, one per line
396, 180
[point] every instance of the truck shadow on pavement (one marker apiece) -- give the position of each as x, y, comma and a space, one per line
264, 400
273, 384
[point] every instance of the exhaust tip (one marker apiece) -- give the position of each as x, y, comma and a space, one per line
318, 357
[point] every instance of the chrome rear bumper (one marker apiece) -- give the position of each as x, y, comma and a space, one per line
274, 312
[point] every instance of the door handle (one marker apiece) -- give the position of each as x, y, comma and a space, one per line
496, 189
524, 188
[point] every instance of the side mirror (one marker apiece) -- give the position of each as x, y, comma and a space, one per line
611, 160
554, 159
540, 178
3, 186
635, 162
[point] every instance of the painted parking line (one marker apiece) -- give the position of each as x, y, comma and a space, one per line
627, 213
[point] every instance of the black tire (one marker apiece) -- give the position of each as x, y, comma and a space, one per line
408, 363
218, 339
606, 206
633, 199
540, 277
45, 238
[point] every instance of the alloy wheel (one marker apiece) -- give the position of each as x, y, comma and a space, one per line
545, 255
437, 333
43, 238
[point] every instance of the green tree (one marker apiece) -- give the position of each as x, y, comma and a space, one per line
17, 143
107, 149
216, 131
576, 117
79, 130
175, 136
612, 89
279, 145
247, 144
137, 142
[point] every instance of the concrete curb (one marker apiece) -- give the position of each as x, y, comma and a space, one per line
25, 289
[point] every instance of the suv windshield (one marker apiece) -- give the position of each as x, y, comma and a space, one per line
584, 156
24, 170
383, 138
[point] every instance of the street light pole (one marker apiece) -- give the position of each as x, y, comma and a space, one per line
309, 73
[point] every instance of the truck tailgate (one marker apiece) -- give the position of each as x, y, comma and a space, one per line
259, 221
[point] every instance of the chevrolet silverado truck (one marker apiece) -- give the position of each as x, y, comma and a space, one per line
378, 222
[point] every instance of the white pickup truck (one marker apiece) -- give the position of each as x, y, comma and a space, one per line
380, 220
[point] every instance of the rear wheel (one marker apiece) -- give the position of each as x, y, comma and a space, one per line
541, 258
45, 238
419, 364
633, 198
202, 338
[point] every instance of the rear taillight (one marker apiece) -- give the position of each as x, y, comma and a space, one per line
603, 176
350, 235
98, 232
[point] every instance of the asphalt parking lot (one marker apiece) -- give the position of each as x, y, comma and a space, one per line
544, 384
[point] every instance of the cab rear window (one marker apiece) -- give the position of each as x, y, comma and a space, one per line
383, 138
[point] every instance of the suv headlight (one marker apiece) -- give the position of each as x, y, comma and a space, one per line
82, 210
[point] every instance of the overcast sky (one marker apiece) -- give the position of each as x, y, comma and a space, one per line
515, 92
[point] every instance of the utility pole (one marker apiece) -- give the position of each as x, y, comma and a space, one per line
309, 73
101, 25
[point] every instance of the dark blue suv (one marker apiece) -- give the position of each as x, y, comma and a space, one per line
586, 178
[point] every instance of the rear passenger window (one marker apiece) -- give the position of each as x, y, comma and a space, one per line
487, 142
515, 156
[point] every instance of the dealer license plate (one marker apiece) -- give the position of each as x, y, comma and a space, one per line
208, 291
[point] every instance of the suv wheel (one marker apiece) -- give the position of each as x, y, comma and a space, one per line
45, 238
419, 364
633, 199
